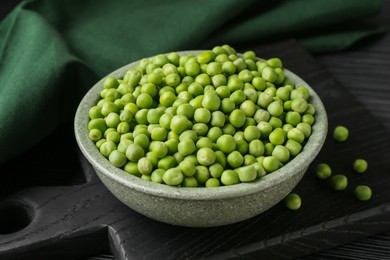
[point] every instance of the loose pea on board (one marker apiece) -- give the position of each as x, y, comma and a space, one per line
208, 120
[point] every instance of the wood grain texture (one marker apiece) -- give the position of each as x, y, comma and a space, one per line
82, 219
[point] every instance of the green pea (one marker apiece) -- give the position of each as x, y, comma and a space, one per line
235, 159
134, 152
340, 133
202, 115
293, 147
157, 175
167, 162
229, 177
179, 123
237, 118
256, 148
296, 134
360, 165
186, 147
277, 136
211, 102
212, 182
202, 174
339, 182
206, 156
234, 84
145, 166
110, 82
190, 182
299, 105
247, 173
132, 168
227, 105
226, 143
281, 153
293, 201
187, 167
173, 177
363, 192
271, 163
95, 134
323, 171
107, 147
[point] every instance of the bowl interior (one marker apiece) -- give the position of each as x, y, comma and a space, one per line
100, 163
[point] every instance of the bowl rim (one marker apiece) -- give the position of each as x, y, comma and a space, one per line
102, 164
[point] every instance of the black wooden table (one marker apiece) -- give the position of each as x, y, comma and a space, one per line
66, 213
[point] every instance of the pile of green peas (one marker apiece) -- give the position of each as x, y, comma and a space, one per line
207, 120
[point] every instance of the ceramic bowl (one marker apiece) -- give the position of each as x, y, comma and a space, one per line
199, 207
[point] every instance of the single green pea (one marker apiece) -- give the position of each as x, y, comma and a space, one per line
226, 143
173, 176
216, 170
217, 119
339, 182
95, 134
179, 123
187, 167
234, 84
211, 102
227, 105
269, 74
305, 128
167, 98
360, 165
203, 79
323, 171
247, 173
235, 159
132, 168
277, 136
157, 175
212, 182
97, 123
186, 147
275, 108
249, 108
134, 152
265, 129
256, 148
293, 201
107, 147
190, 182
229, 177
167, 162
237, 118
110, 82
271, 163
202, 115
113, 136
294, 147
281, 153
145, 166
363, 192
340, 133
296, 134
202, 174
299, 105
205, 57
206, 156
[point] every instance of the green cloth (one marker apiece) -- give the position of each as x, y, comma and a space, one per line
52, 52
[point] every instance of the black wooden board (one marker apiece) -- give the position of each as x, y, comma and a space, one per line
54, 207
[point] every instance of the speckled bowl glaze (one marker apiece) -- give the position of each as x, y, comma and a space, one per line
199, 207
